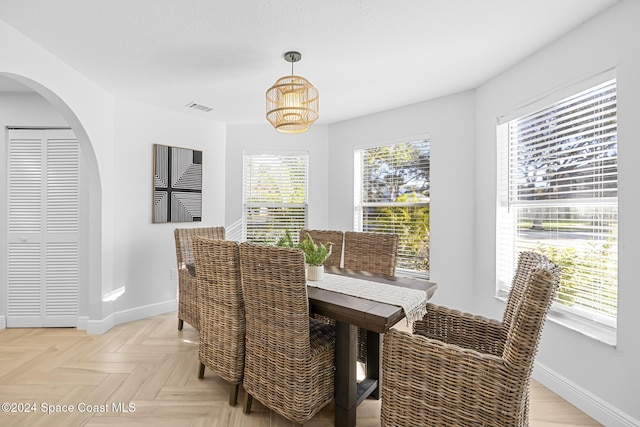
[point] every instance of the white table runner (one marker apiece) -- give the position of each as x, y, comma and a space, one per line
412, 301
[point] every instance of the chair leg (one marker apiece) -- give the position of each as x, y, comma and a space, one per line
248, 399
180, 324
233, 394
201, 371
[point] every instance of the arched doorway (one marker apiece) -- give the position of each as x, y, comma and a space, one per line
45, 109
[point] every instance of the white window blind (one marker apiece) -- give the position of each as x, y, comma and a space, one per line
274, 195
558, 195
392, 196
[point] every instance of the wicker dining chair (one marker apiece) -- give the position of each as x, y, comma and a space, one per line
187, 294
461, 369
327, 236
222, 321
372, 252
289, 362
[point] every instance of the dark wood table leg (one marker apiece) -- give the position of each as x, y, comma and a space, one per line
346, 381
374, 365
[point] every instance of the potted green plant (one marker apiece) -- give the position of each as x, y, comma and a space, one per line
315, 254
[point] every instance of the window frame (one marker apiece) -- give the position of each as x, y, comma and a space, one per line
587, 322
359, 204
270, 204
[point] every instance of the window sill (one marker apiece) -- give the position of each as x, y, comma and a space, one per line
604, 334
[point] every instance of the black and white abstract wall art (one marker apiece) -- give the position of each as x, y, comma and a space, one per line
177, 188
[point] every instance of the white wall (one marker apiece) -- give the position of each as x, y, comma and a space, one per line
602, 380
88, 109
145, 252
450, 124
125, 249
264, 138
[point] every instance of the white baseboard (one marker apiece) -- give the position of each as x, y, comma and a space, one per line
130, 315
99, 327
83, 323
587, 402
143, 312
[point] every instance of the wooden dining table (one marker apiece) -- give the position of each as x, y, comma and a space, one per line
351, 313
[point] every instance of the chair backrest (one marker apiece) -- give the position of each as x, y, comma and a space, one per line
525, 329
526, 262
184, 241
372, 252
221, 305
327, 236
276, 304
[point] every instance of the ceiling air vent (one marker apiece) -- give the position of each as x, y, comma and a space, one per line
199, 107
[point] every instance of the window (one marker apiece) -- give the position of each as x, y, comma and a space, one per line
392, 196
274, 195
558, 195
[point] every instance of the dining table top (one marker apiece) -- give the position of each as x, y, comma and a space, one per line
365, 313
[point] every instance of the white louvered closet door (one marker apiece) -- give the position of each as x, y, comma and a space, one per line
43, 228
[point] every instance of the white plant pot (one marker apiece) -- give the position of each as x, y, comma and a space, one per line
315, 272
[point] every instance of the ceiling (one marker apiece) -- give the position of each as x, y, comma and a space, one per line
364, 56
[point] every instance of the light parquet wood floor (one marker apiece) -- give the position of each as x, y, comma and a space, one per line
145, 373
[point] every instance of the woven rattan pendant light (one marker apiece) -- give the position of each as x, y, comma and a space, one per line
292, 101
